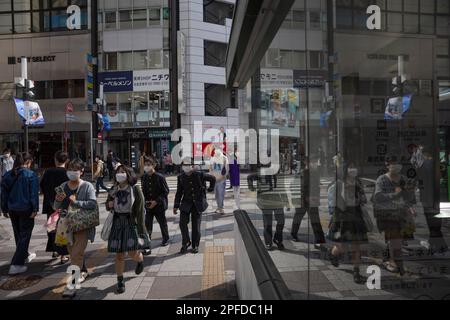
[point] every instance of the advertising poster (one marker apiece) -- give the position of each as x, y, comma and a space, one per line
397, 107
30, 112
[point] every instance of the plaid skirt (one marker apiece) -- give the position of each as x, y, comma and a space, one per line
124, 235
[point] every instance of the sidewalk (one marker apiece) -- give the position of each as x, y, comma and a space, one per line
167, 275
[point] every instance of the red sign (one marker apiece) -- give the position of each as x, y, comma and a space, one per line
69, 107
100, 136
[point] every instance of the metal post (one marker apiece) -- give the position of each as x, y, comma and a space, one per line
173, 35
94, 53
24, 73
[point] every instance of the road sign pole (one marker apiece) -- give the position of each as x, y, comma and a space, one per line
24, 72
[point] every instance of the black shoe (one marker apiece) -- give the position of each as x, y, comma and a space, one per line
333, 259
279, 244
183, 250
146, 252
194, 250
269, 247
294, 237
120, 287
357, 277
139, 268
165, 243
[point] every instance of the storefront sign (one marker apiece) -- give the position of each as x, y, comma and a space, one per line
277, 78
182, 81
90, 82
120, 81
151, 80
310, 78
159, 134
14, 60
137, 134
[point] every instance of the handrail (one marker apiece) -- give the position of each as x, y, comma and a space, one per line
270, 283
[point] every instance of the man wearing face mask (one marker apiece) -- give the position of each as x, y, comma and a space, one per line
156, 191
190, 199
393, 207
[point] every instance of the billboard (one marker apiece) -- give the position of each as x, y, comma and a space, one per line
397, 107
30, 112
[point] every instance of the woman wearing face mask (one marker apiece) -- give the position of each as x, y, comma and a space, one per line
127, 202
79, 194
393, 202
20, 203
347, 227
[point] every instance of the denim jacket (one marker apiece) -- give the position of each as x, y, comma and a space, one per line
20, 192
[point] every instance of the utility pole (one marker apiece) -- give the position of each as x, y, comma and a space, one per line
94, 53
26, 86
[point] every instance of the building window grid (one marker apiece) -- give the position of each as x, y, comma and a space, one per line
149, 21
40, 13
357, 5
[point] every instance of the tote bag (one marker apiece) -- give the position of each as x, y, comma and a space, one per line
106, 230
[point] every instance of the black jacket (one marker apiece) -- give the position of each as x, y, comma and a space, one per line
155, 188
191, 191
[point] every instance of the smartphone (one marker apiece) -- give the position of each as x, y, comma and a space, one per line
59, 190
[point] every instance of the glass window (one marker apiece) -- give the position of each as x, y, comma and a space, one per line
286, 59
443, 25
315, 59
5, 5
411, 5
443, 6
125, 19
298, 60
154, 17
22, 22
273, 58
60, 4
59, 20
126, 60
427, 6
35, 4
60, 89
140, 60
125, 100
78, 88
166, 59
5, 23
110, 60
110, 20
36, 22
427, 24
314, 20
21, 5
394, 5
298, 19
411, 22
154, 59
139, 19
394, 22
344, 18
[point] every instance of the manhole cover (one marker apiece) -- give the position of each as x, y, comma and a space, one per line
20, 283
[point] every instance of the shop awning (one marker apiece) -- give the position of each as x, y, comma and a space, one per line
255, 24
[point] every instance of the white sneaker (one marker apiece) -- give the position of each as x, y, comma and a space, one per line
31, 257
15, 270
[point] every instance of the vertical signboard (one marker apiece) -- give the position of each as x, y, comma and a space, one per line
90, 82
182, 89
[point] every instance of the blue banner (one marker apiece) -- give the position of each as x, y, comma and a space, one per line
30, 112
397, 107
120, 81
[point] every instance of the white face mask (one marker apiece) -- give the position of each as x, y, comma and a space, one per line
187, 169
121, 177
396, 168
7, 155
353, 172
73, 175
149, 169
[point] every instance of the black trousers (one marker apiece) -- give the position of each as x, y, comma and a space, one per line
23, 228
162, 221
314, 217
268, 219
196, 225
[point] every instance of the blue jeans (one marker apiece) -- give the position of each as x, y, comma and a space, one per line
23, 228
219, 190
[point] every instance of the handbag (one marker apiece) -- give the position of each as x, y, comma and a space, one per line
79, 219
107, 226
62, 237
52, 221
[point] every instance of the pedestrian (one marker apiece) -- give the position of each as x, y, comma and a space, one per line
347, 226
235, 178
20, 203
111, 163
271, 202
6, 164
310, 189
51, 179
393, 207
99, 173
128, 232
156, 191
79, 194
190, 199
423, 163
219, 169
